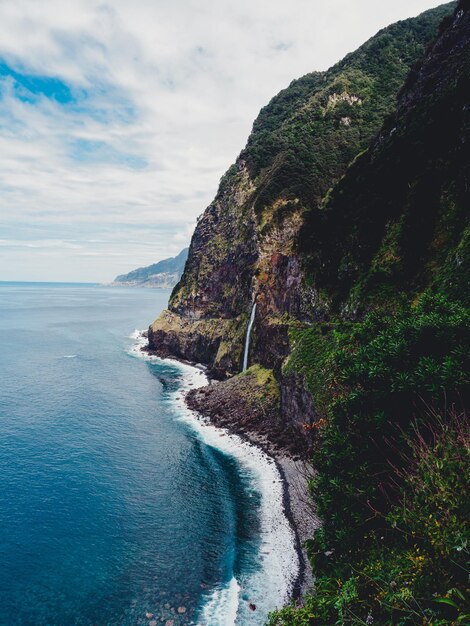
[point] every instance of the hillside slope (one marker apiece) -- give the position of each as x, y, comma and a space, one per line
245, 246
398, 221
388, 363
164, 274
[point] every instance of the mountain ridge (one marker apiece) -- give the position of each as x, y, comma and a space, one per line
164, 275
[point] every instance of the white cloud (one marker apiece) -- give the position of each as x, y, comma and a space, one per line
164, 96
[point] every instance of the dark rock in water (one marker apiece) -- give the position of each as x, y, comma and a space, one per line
252, 606
167, 383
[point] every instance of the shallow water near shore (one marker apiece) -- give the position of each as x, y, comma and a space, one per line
117, 505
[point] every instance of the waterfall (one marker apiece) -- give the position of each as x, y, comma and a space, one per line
247, 338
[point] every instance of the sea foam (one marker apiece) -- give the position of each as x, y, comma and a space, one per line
271, 585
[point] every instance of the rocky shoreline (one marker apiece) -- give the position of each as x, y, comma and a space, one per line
225, 408
293, 468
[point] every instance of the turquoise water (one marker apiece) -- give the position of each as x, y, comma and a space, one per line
113, 507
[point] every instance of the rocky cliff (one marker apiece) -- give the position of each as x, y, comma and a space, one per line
347, 220
246, 244
397, 223
387, 362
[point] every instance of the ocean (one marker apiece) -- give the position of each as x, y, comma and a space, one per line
118, 506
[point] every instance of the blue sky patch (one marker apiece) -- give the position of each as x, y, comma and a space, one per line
100, 152
283, 46
29, 87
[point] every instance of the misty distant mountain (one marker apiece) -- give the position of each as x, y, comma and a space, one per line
164, 274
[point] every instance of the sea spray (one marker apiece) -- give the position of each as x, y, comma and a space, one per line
248, 335
221, 607
271, 585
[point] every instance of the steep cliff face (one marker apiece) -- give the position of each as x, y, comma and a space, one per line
387, 363
398, 222
245, 246
347, 217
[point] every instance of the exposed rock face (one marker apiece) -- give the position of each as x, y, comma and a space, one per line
198, 340
246, 243
247, 404
296, 404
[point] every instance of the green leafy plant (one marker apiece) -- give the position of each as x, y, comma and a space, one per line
394, 467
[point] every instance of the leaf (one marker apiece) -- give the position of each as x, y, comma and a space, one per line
457, 592
447, 601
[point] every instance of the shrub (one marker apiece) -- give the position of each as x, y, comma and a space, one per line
417, 571
394, 466
382, 374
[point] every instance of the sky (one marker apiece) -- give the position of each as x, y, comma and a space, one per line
118, 118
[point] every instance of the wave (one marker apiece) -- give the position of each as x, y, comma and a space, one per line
222, 606
271, 585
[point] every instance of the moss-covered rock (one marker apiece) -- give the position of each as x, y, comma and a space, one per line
397, 223
249, 404
204, 340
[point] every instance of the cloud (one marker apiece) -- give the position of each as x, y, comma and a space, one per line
118, 119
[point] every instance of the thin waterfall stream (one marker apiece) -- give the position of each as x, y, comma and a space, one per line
247, 338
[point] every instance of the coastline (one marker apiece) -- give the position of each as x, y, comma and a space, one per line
293, 471
296, 503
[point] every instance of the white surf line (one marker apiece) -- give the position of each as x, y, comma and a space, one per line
271, 586
221, 607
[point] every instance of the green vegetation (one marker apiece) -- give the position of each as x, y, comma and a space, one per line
389, 367
397, 221
310, 357
260, 387
394, 466
306, 136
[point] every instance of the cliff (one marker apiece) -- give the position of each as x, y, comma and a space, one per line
387, 364
397, 223
346, 219
165, 274
246, 244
